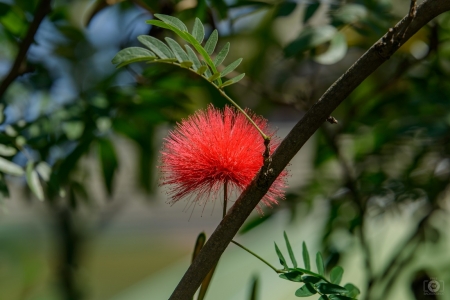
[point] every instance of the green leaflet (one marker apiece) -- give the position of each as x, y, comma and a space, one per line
33, 181
232, 80
172, 21
214, 77
306, 257
177, 50
281, 257
132, 54
319, 264
156, 46
193, 57
10, 168
222, 55
230, 68
288, 246
336, 275
198, 31
212, 42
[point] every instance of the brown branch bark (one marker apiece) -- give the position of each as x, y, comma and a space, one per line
302, 131
41, 11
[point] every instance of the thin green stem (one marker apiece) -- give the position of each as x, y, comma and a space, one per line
222, 92
258, 257
265, 137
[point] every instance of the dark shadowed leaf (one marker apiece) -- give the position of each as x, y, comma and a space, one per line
201, 239
310, 10
108, 160
336, 275
280, 256
295, 276
285, 8
329, 288
353, 291
306, 291
309, 38
254, 289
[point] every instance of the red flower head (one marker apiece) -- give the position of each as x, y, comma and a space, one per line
214, 147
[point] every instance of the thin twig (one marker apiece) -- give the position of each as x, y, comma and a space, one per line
42, 10
257, 256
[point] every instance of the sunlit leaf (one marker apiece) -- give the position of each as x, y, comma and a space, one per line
212, 42
10, 168
7, 150
177, 50
193, 57
222, 54
232, 80
158, 47
33, 181
132, 54
230, 68
336, 51
214, 77
172, 21
44, 170
202, 69
198, 31
187, 64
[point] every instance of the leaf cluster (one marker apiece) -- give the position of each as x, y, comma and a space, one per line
315, 283
199, 61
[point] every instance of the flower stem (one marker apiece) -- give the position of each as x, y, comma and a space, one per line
258, 257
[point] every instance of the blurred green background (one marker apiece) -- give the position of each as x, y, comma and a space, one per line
370, 192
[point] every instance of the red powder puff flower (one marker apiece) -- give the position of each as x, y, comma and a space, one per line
213, 148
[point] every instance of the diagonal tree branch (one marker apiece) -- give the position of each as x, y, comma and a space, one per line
302, 131
42, 10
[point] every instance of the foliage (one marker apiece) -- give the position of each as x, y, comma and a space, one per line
315, 283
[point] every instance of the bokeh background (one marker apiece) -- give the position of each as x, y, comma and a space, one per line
371, 192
